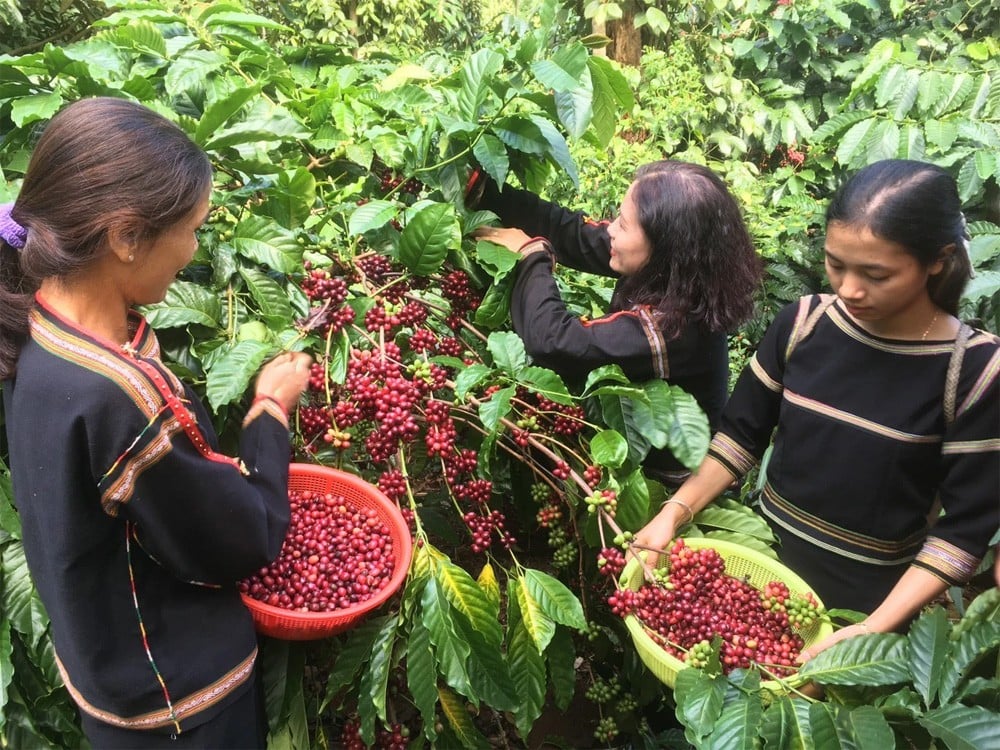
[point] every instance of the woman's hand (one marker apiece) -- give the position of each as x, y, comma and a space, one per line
858, 628
510, 237
656, 535
284, 378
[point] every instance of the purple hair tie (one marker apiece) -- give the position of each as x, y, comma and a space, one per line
10, 231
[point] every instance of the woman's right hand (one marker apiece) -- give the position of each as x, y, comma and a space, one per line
656, 535
284, 378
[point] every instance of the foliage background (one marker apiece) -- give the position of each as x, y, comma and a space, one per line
305, 106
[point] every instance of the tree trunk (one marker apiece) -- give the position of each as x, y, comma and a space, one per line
626, 44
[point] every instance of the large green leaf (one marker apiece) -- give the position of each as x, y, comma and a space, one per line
564, 70
421, 675
609, 448
527, 666
547, 383
375, 679
475, 82
428, 237
189, 71
508, 352
450, 651
737, 727
522, 134
560, 657
489, 673
966, 651
492, 156
833, 726
186, 302
672, 419
786, 724
466, 596
633, 501
963, 727
492, 410
880, 659
554, 598
356, 648
741, 519
290, 200
984, 608
230, 375
460, 721
21, 604
539, 625
929, 651
494, 310
371, 215
616, 410
237, 18
271, 299
575, 107
219, 112
6, 667
699, 700
264, 241
558, 150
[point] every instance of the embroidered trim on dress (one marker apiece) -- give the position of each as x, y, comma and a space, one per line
944, 560
661, 364
839, 415
836, 539
737, 459
986, 379
765, 380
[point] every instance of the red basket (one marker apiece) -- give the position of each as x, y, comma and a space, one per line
291, 625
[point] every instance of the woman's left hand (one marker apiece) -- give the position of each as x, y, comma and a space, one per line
510, 237
858, 628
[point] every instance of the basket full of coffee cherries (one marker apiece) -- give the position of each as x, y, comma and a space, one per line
346, 552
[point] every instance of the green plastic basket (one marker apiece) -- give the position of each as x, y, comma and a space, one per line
741, 562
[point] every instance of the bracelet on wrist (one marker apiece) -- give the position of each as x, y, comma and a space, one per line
684, 505
264, 398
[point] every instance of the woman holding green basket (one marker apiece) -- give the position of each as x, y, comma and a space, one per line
880, 403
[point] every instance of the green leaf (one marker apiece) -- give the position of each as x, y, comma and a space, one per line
984, 608
492, 155
474, 82
786, 724
554, 599
189, 71
494, 310
371, 215
489, 674
575, 108
465, 595
34, 107
219, 112
561, 659
522, 134
350, 658
546, 382
609, 448
185, 302
941, 133
955, 93
962, 727
375, 677
250, 20
450, 651
499, 261
966, 652
929, 651
508, 352
699, 700
742, 519
837, 125
881, 53
673, 419
744, 540
262, 240
633, 501
605, 111
230, 375
563, 72
737, 727
271, 299
536, 622
497, 407
460, 721
421, 675
21, 605
469, 378
527, 666
558, 150
862, 728
487, 581
605, 373
428, 237
864, 660
291, 198
852, 144
6, 667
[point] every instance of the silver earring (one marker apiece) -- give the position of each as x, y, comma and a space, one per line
131, 257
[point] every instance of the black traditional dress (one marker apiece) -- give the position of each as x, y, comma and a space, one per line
863, 449
134, 527
630, 335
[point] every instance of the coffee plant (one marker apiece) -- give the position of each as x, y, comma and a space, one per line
338, 227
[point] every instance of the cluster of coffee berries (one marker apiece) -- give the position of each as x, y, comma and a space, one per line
394, 737
606, 500
699, 602
334, 556
610, 562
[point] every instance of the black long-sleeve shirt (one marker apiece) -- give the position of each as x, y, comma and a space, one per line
135, 529
628, 335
